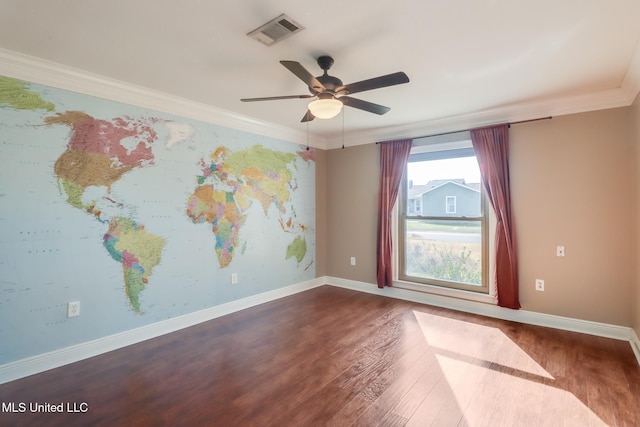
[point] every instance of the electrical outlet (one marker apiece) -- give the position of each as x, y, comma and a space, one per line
539, 285
73, 309
234, 278
560, 251
353, 260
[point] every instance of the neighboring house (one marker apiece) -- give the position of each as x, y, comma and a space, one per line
414, 198
444, 197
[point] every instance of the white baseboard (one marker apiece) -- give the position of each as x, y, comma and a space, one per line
54, 359
491, 310
635, 345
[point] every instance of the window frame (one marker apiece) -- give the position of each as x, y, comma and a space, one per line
458, 146
447, 205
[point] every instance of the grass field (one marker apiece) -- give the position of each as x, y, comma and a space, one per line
449, 226
444, 260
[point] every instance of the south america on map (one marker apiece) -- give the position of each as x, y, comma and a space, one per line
102, 165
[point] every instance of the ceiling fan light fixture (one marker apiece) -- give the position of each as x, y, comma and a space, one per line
326, 108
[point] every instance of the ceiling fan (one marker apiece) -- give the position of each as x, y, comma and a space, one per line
331, 94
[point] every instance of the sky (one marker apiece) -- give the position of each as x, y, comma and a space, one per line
461, 167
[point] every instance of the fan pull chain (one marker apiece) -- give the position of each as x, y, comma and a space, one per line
343, 113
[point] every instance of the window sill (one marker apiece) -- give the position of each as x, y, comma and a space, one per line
451, 293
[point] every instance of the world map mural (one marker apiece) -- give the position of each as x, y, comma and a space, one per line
173, 203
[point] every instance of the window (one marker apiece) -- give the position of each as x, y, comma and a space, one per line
445, 242
451, 204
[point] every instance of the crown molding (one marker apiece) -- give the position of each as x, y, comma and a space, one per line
623, 96
37, 70
553, 107
631, 82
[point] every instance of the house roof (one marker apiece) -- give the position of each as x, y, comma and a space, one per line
470, 62
419, 190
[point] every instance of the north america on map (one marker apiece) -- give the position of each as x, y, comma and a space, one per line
101, 151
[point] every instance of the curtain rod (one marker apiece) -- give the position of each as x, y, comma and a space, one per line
467, 130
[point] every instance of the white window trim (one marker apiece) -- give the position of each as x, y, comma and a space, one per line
439, 143
446, 205
490, 298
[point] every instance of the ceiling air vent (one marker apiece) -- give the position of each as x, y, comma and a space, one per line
275, 30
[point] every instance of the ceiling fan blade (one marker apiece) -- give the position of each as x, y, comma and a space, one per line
364, 105
374, 83
302, 73
307, 117
273, 98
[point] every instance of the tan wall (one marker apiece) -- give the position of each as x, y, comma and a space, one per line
572, 180
635, 121
572, 185
352, 212
321, 213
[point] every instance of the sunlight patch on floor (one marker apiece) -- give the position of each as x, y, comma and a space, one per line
493, 380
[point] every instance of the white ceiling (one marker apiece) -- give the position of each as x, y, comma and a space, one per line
469, 61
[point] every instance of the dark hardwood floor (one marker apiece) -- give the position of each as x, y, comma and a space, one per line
335, 357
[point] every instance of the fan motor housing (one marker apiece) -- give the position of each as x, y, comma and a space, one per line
329, 82
329, 87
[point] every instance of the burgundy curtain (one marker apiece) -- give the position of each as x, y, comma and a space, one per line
393, 159
491, 145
